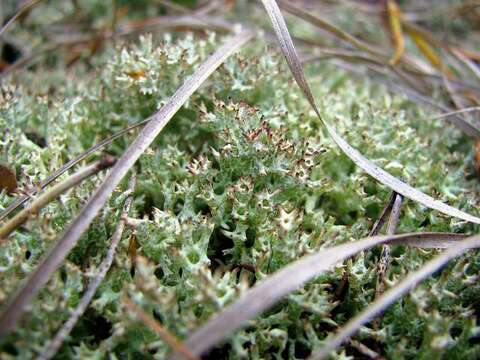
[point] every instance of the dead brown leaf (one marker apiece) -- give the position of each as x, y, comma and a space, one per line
8, 180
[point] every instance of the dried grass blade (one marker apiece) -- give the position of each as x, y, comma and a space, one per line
19, 13
373, 170
425, 49
259, 298
461, 111
457, 99
393, 294
350, 56
67, 327
377, 226
395, 22
60, 250
378, 53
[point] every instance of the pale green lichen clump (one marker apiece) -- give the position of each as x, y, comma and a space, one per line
242, 182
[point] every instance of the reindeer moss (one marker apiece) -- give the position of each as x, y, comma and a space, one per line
241, 182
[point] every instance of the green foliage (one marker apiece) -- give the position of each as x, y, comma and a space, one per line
242, 182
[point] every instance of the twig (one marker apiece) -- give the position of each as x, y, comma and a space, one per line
164, 334
52, 194
62, 334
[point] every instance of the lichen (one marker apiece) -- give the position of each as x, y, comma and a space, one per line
242, 182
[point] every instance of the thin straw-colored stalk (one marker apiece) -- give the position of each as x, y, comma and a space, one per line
52, 194
190, 22
80, 224
364, 350
395, 293
348, 55
65, 330
163, 333
455, 96
394, 19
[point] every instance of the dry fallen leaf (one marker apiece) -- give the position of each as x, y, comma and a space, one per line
8, 180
